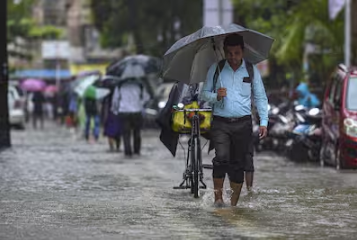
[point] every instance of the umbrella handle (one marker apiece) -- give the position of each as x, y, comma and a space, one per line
213, 44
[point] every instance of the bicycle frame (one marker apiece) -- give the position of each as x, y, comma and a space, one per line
193, 174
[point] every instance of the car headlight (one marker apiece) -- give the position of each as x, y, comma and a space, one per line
350, 127
162, 104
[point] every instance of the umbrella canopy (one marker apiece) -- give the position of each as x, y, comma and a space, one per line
189, 59
33, 85
109, 81
51, 89
95, 93
135, 66
81, 78
83, 84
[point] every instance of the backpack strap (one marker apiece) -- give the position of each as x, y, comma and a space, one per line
219, 68
250, 71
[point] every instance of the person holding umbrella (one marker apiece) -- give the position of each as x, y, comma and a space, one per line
131, 93
231, 130
229, 53
91, 105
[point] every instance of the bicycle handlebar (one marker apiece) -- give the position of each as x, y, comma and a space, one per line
194, 110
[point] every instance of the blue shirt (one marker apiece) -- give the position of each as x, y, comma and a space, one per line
237, 103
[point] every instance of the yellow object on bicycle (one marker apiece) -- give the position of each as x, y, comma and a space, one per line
181, 121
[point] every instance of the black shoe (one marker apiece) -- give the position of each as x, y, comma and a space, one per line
128, 154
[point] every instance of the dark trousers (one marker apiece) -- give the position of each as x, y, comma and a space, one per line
131, 123
231, 140
249, 164
37, 116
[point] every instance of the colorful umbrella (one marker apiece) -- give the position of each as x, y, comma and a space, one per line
33, 85
95, 93
81, 86
51, 89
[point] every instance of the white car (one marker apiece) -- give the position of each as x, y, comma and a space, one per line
16, 108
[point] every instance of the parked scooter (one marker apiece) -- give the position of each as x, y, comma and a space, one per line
278, 126
305, 138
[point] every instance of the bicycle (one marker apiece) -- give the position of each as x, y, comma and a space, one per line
193, 174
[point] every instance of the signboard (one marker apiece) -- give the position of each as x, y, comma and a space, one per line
55, 50
217, 12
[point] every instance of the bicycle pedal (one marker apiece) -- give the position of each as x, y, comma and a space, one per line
180, 187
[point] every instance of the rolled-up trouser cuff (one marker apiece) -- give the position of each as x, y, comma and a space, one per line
237, 177
219, 171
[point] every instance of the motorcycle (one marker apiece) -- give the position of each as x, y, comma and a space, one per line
278, 126
305, 138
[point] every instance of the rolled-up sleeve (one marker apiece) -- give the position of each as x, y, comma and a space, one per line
260, 98
207, 94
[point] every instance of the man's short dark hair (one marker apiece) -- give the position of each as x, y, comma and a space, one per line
234, 40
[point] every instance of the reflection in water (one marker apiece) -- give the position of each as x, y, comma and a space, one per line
52, 183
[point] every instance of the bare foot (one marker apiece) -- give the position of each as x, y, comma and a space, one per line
219, 203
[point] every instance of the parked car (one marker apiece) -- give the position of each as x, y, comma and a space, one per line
16, 107
339, 123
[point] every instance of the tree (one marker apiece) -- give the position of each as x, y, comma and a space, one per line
294, 24
22, 28
154, 24
268, 17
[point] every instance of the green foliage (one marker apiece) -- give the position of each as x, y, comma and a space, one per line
21, 25
294, 24
45, 32
145, 21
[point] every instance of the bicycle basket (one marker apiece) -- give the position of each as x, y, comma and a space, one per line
181, 122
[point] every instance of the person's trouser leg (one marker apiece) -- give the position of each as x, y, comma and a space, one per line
137, 121
96, 128
41, 120
249, 167
34, 120
117, 142
87, 127
126, 123
241, 135
221, 142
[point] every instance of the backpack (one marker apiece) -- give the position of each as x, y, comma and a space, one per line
90, 106
220, 66
139, 83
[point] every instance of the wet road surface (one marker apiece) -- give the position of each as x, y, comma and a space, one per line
54, 185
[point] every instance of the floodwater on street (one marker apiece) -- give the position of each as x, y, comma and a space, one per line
54, 185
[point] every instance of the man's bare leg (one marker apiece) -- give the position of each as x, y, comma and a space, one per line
218, 191
249, 176
236, 188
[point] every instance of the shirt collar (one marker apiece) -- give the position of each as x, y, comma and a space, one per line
243, 65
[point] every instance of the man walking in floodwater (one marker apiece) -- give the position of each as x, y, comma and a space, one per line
228, 87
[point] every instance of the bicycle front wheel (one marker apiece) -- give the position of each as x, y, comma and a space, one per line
194, 161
